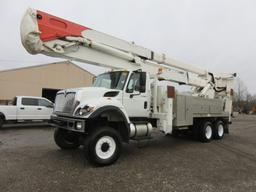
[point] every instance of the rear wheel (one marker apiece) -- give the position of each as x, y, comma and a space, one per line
205, 131
175, 133
218, 131
65, 139
103, 147
1, 122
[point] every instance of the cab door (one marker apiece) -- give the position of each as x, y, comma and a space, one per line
46, 108
28, 109
136, 96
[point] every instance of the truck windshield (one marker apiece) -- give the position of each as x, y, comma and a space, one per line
111, 80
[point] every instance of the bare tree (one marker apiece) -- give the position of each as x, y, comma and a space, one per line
244, 101
241, 94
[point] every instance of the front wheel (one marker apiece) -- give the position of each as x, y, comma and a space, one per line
103, 147
65, 139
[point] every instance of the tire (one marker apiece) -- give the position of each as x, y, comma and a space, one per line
218, 130
175, 133
1, 122
103, 147
65, 139
205, 131
226, 128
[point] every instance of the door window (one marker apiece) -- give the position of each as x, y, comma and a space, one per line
137, 82
29, 101
44, 103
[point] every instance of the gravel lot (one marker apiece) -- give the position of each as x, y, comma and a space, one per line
30, 161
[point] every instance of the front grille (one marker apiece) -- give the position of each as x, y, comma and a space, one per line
64, 102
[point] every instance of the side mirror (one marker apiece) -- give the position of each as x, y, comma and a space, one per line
134, 93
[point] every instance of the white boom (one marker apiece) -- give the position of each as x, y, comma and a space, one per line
56, 37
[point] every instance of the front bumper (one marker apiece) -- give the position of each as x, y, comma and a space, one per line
69, 123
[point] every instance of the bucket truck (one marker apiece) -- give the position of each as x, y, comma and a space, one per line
130, 101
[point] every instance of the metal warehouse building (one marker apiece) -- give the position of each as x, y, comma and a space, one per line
42, 80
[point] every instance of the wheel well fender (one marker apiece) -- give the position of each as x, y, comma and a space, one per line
115, 118
2, 116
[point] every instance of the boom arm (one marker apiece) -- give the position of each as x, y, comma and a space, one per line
56, 37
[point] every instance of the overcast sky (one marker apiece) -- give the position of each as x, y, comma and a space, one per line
219, 35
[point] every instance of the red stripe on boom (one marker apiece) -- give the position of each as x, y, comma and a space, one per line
52, 27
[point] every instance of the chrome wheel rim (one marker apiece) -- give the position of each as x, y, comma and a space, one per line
208, 132
105, 147
220, 130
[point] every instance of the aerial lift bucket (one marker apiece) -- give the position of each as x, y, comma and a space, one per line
38, 27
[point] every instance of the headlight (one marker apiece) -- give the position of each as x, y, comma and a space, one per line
79, 125
84, 111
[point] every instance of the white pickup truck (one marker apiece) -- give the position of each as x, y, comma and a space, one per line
26, 108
